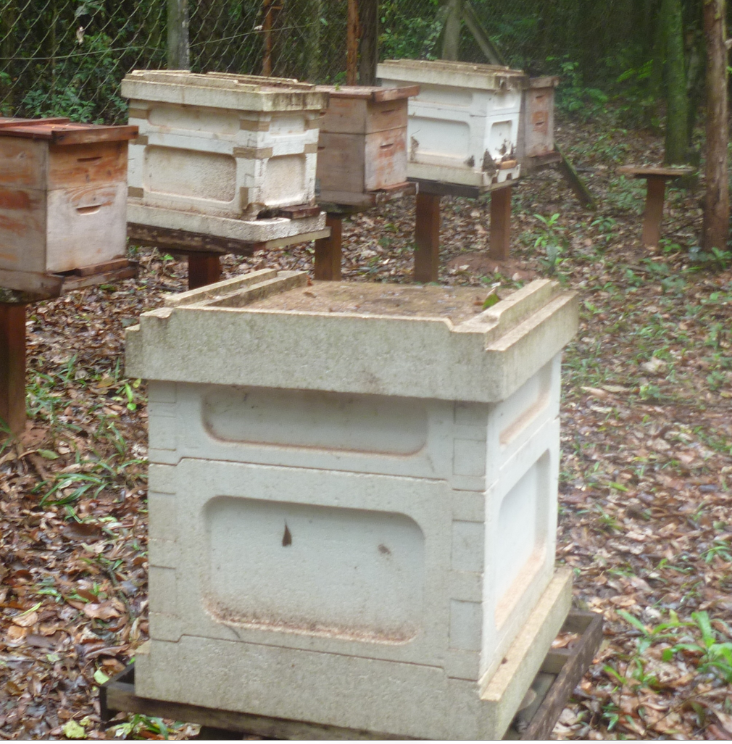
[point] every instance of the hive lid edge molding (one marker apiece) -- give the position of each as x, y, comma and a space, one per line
246, 93
423, 342
454, 74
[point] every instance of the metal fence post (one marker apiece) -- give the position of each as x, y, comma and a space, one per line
178, 48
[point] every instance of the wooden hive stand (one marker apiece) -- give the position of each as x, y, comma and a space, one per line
561, 672
656, 179
427, 223
204, 252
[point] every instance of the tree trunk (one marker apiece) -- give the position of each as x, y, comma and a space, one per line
677, 103
353, 33
369, 50
716, 207
453, 26
178, 48
313, 40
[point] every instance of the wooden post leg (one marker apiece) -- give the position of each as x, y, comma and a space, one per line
12, 367
427, 238
654, 211
328, 251
500, 240
203, 269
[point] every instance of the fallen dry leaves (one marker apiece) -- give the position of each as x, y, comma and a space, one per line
645, 502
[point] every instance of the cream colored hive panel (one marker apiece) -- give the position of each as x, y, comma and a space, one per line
358, 542
464, 124
215, 148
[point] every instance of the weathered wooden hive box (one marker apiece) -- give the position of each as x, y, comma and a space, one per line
363, 142
63, 192
464, 124
353, 501
536, 139
224, 155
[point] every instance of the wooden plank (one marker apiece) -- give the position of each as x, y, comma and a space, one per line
35, 283
100, 268
574, 181
329, 251
71, 133
12, 368
344, 202
203, 269
73, 283
500, 238
655, 194
427, 238
181, 240
296, 212
568, 678
341, 165
440, 188
642, 171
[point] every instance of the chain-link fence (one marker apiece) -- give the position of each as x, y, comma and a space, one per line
67, 57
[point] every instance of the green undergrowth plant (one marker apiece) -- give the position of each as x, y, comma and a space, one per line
552, 242
701, 642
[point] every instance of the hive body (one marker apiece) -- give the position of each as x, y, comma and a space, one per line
464, 124
62, 195
353, 501
363, 142
218, 153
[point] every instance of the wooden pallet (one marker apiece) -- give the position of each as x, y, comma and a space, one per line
559, 675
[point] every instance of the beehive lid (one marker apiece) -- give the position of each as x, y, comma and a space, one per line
371, 93
9, 121
223, 90
453, 74
66, 132
275, 329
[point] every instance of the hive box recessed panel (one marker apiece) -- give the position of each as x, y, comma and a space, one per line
376, 523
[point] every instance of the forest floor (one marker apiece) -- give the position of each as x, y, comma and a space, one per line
645, 499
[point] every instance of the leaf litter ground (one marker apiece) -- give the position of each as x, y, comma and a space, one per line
645, 503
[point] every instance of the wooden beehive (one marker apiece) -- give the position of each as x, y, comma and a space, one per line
363, 142
63, 191
536, 136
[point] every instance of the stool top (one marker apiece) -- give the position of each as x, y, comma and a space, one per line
644, 171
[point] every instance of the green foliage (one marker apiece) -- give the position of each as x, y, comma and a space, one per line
551, 241
573, 96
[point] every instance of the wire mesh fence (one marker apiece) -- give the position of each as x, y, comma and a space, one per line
67, 57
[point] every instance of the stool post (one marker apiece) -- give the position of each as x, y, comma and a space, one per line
12, 366
427, 238
654, 210
329, 251
203, 269
500, 239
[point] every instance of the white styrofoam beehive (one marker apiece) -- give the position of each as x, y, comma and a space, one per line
464, 124
218, 151
353, 501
